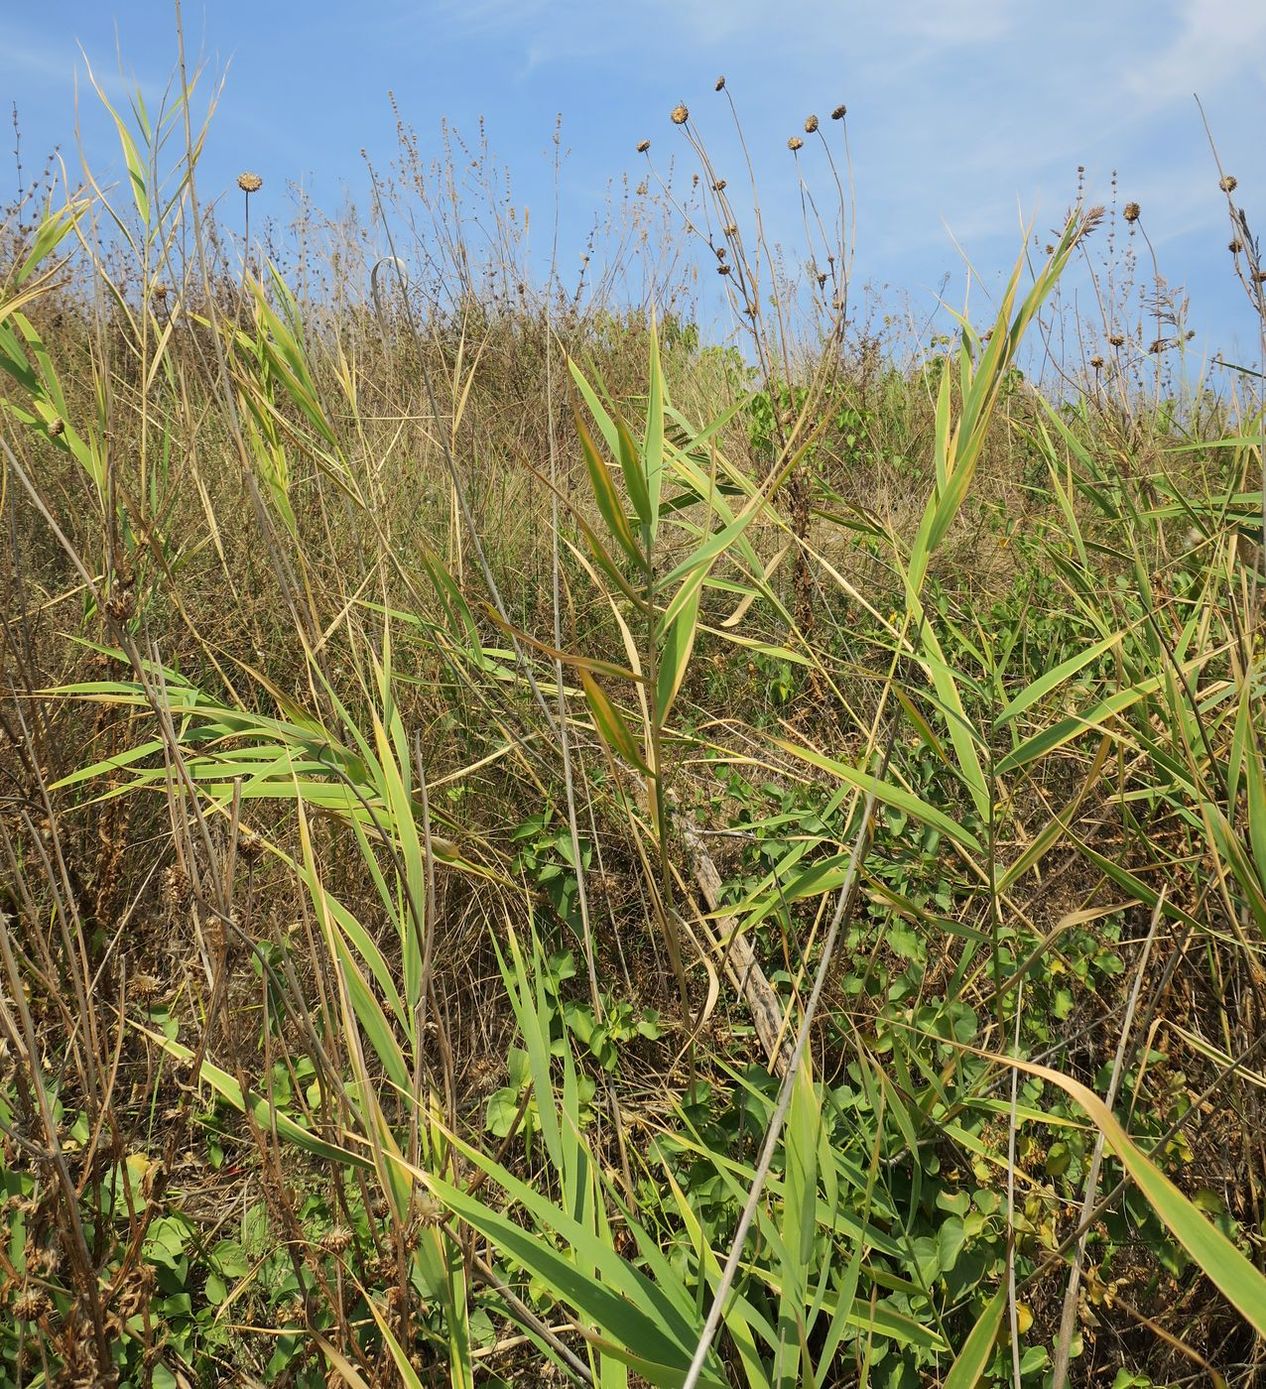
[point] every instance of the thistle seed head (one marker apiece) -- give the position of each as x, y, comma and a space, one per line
643, 146
839, 113
680, 113
1228, 183
31, 1305
1132, 212
795, 143
338, 1239
249, 182
810, 124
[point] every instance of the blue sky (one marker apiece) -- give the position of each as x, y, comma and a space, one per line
967, 118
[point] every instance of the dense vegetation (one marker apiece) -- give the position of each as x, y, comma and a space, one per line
540, 848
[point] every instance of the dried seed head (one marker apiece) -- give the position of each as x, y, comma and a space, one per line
1259, 277
719, 186
720, 84
1228, 183
731, 229
249, 845
1097, 363
121, 604
429, 1212
1158, 346
31, 1304
56, 427
724, 269
176, 891
339, 1239
680, 113
810, 124
249, 182
1090, 221
643, 146
1132, 212
143, 986
160, 292
795, 143
1235, 247
839, 113
1116, 339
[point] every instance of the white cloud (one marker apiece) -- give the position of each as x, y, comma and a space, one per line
1216, 42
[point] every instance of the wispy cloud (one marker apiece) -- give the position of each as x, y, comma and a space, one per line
1214, 43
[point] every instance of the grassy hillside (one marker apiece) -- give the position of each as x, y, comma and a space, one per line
542, 843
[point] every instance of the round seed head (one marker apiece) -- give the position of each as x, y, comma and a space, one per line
680, 113
643, 146
720, 85
1235, 247
160, 292
724, 269
1097, 363
719, 186
31, 1304
1132, 212
1116, 339
810, 124
839, 113
249, 182
339, 1239
795, 143
1228, 183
